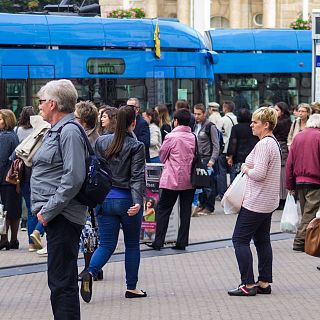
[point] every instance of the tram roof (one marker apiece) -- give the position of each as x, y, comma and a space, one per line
74, 31
260, 40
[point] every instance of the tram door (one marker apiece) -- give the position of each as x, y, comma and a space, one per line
21, 84
173, 83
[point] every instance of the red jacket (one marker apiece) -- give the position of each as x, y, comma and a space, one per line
303, 164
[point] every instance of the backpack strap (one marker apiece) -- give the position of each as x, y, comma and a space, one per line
277, 142
84, 135
230, 120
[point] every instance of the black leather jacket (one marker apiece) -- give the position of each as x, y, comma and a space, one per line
128, 169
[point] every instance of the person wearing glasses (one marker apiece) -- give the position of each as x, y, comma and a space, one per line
58, 172
304, 112
141, 130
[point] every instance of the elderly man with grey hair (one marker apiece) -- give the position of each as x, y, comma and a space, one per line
57, 176
303, 175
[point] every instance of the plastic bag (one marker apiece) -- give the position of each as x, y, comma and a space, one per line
290, 217
3, 229
233, 197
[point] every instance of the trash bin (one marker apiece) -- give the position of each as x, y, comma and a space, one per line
148, 227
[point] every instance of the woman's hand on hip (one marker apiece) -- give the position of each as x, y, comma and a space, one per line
134, 209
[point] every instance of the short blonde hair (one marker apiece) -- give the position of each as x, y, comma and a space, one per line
9, 119
266, 114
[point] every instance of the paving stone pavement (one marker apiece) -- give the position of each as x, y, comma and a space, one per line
182, 286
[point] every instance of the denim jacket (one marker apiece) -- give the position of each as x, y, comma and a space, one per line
58, 173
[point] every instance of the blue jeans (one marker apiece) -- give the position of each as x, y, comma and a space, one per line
113, 214
224, 168
32, 221
256, 226
155, 160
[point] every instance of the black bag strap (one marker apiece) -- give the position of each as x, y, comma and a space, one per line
89, 148
230, 120
196, 146
277, 142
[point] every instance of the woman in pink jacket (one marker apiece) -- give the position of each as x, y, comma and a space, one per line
177, 153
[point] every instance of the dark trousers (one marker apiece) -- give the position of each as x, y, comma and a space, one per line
207, 198
253, 225
164, 208
63, 246
224, 168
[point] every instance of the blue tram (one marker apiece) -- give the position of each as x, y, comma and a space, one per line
262, 65
108, 60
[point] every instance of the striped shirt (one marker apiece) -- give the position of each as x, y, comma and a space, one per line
263, 184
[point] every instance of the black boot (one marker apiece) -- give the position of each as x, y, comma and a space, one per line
14, 244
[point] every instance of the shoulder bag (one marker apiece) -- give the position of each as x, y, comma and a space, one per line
312, 241
200, 177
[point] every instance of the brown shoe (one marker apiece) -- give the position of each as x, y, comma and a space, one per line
36, 239
205, 212
196, 210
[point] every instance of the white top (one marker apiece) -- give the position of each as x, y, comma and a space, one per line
155, 140
22, 133
225, 125
214, 117
263, 184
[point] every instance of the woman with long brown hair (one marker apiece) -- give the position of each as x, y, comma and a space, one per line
125, 156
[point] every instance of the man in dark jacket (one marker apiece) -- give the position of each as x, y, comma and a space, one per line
303, 175
141, 130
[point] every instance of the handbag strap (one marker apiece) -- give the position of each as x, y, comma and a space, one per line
196, 146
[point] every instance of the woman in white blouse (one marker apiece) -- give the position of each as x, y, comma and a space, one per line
152, 117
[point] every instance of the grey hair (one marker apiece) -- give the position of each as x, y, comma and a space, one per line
136, 102
61, 91
306, 106
313, 121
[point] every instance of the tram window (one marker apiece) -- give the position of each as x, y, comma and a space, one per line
36, 85
15, 95
105, 66
128, 88
281, 88
185, 90
164, 93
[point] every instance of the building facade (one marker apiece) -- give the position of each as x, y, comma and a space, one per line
223, 13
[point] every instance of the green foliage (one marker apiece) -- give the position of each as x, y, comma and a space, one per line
25, 5
135, 13
300, 24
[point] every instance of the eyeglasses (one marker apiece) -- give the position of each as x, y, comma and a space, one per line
41, 101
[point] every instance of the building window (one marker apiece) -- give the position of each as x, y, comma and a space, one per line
219, 22
258, 19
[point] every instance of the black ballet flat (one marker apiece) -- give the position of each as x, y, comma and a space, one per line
151, 245
14, 244
131, 295
5, 245
178, 248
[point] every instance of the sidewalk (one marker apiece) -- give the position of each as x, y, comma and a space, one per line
182, 286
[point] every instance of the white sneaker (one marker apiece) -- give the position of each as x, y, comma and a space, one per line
43, 252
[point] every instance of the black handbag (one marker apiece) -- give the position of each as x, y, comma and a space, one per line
200, 177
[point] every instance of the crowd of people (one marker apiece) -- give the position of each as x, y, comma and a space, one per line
277, 155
